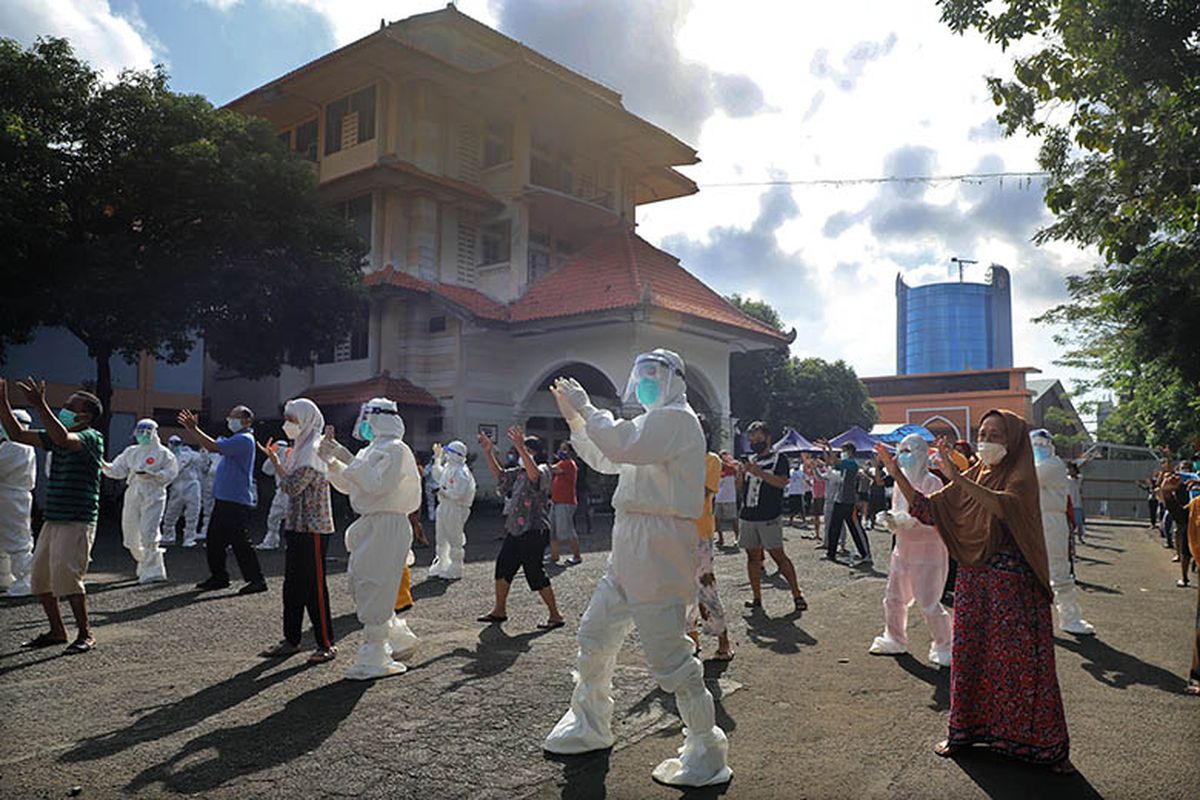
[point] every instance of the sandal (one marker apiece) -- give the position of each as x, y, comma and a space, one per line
43, 640
945, 749
281, 650
753, 604
80, 646
1192, 689
492, 618
402, 609
722, 655
551, 625
323, 655
801, 603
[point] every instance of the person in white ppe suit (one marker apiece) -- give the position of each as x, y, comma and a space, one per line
206, 496
384, 486
18, 474
920, 563
650, 580
146, 466
456, 493
183, 495
279, 503
1053, 489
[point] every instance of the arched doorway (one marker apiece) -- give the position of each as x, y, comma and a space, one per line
940, 427
539, 413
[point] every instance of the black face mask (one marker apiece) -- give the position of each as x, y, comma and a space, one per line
759, 447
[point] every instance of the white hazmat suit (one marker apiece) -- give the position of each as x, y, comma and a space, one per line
183, 495
206, 496
1054, 487
650, 580
456, 493
384, 486
277, 513
146, 467
18, 475
920, 564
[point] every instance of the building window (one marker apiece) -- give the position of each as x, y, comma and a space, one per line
357, 211
497, 144
467, 249
350, 120
495, 242
354, 347
539, 264
306, 140
285, 138
437, 324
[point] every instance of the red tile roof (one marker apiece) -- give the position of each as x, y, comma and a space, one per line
622, 270
617, 270
402, 390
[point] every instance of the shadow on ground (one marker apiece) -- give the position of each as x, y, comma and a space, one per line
1001, 778
1119, 669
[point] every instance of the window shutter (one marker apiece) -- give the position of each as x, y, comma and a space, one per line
468, 249
350, 130
467, 151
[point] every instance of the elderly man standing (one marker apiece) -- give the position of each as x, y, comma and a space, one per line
650, 581
233, 501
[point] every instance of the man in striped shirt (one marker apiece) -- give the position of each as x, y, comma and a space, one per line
64, 543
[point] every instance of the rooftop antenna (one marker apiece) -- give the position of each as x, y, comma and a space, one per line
961, 262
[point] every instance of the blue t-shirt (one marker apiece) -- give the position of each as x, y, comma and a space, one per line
236, 470
849, 469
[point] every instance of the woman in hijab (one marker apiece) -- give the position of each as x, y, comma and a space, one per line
306, 530
1004, 690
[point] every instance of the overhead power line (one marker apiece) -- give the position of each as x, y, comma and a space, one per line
965, 177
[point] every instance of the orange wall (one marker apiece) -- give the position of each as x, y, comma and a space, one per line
962, 410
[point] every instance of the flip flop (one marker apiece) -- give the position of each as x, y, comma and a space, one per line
491, 618
42, 640
549, 626
80, 646
719, 656
800, 603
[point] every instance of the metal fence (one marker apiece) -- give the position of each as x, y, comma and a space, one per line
1109, 480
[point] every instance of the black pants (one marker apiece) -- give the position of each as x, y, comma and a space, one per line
230, 527
1153, 504
844, 513
524, 552
304, 587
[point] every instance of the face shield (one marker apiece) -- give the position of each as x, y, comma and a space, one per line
656, 379
379, 418
912, 454
1043, 445
146, 431
456, 453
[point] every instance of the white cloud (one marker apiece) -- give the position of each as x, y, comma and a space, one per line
109, 41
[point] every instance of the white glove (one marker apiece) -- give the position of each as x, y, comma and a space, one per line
573, 393
330, 450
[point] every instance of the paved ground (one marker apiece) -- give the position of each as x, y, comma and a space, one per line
174, 700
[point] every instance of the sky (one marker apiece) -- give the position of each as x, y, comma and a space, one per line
766, 90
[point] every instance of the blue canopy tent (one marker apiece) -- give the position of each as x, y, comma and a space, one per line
892, 434
863, 442
793, 442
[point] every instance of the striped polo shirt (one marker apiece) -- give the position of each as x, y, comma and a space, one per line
73, 491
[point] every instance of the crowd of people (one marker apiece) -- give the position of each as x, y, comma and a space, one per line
981, 541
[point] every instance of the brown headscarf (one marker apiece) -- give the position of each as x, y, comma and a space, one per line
971, 532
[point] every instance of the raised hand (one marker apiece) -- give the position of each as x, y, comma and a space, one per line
34, 390
517, 436
889, 461
573, 394
187, 420
947, 465
485, 442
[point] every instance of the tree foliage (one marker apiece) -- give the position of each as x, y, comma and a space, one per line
140, 219
816, 397
1112, 88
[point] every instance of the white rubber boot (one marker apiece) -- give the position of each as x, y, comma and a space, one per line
884, 645
703, 757
401, 639
939, 656
374, 657
21, 565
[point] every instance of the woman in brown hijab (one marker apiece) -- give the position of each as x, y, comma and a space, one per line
1003, 686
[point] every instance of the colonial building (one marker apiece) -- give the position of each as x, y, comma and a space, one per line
499, 193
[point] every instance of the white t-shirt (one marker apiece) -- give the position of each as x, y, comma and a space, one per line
797, 483
727, 490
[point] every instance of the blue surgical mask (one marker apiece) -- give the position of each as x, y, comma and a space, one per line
67, 417
1040, 454
906, 460
365, 432
647, 391
235, 424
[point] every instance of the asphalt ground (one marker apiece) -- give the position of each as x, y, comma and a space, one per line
174, 700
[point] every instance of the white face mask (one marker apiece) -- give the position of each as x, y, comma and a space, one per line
292, 429
991, 453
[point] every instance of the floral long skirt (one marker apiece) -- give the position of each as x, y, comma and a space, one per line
1003, 686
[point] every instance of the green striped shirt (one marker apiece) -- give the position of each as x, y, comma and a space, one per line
73, 492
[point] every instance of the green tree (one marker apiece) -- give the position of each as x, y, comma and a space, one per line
141, 219
816, 397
